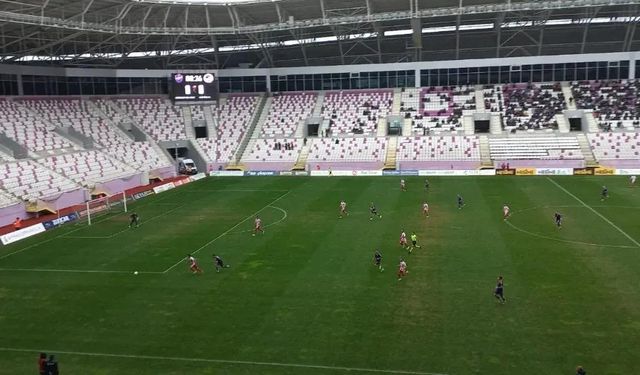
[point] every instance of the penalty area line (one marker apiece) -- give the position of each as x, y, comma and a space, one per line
228, 231
74, 271
595, 212
283, 218
223, 361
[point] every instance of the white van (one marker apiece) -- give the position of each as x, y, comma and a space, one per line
187, 166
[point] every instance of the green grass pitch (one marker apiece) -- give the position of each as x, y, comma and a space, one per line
305, 297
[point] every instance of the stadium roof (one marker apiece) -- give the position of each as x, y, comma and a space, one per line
182, 34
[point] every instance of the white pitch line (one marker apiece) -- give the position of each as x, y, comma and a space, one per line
563, 240
127, 229
227, 231
48, 240
72, 271
284, 217
224, 361
595, 212
64, 234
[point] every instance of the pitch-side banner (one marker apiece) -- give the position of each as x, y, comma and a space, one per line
554, 171
525, 171
163, 188
226, 173
457, 172
50, 224
604, 171
22, 234
627, 172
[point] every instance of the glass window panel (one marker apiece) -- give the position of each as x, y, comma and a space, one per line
559, 72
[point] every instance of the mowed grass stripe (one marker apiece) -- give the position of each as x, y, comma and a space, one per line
307, 293
225, 361
595, 212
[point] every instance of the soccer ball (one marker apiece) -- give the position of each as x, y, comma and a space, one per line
135, 273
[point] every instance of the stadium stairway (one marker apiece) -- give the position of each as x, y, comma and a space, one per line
468, 125
259, 117
479, 99
76, 144
299, 133
390, 160
188, 122
485, 152
95, 110
566, 91
397, 101
262, 118
563, 126
495, 124
301, 163
209, 120
587, 152
381, 129
592, 123
407, 127
317, 109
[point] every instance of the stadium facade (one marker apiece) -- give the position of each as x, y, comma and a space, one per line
349, 86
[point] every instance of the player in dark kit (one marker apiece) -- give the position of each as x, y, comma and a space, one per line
605, 193
374, 212
460, 202
219, 263
377, 260
499, 291
426, 184
133, 220
558, 218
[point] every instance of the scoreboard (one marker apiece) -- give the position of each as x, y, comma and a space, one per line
193, 87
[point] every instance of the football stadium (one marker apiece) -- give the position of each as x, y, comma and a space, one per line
425, 187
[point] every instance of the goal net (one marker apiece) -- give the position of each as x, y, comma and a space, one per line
102, 206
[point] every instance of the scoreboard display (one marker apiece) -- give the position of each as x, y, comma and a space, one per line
193, 87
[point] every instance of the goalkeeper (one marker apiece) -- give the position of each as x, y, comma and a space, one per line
133, 220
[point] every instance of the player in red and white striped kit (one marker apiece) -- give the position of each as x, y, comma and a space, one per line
402, 269
343, 209
425, 209
403, 239
193, 264
258, 226
505, 212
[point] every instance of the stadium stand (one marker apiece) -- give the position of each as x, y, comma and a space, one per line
88, 167
462, 148
356, 111
197, 113
5, 157
616, 146
76, 114
527, 106
28, 180
157, 116
351, 152
233, 118
287, 111
615, 104
7, 199
437, 109
537, 147
29, 130
274, 149
72, 113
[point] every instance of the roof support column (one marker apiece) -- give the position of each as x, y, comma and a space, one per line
19, 81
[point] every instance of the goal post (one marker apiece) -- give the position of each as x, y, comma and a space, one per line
102, 206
